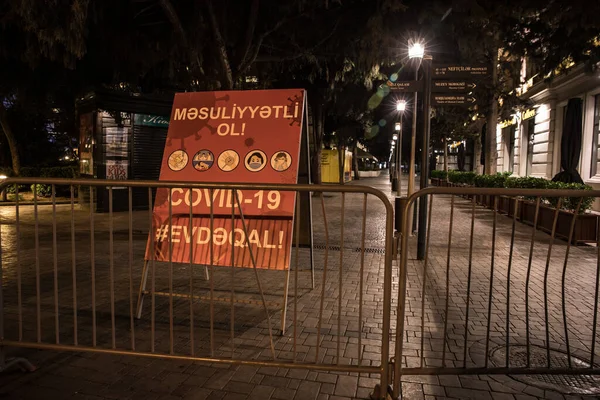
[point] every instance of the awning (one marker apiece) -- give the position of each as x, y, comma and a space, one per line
362, 155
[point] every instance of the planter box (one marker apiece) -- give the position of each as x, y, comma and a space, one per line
586, 225
435, 181
506, 205
488, 201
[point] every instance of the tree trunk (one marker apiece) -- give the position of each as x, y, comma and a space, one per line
355, 161
316, 108
446, 157
315, 166
341, 159
10, 138
492, 122
476, 156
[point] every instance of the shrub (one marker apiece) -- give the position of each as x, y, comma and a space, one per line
465, 178
68, 172
527, 182
437, 174
570, 203
42, 190
491, 181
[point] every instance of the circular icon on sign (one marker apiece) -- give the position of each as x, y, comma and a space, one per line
178, 160
255, 160
281, 161
228, 160
203, 160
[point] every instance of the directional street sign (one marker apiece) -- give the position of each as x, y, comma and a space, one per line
451, 71
452, 100
456, 86
405, 86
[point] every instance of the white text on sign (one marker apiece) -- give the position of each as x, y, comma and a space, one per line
220, 236
224, 198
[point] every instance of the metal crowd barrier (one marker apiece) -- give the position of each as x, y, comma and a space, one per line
70, 276
500, 294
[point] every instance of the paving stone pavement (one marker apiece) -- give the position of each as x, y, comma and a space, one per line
335, 331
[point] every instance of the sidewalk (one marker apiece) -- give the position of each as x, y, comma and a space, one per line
95, 376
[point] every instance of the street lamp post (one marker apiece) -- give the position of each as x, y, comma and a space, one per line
421, 236
400, 107
415, 50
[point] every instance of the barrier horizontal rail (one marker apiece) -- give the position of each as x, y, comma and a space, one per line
494, 295
83, 283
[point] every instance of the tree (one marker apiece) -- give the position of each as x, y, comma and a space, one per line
501, 34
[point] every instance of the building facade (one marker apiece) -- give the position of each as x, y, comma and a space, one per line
529, 144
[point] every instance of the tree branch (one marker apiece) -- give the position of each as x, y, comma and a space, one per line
172, 16
251, 58
220, 45
249, 33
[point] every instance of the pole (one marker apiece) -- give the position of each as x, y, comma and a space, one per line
424, 159
399, 159
413, 144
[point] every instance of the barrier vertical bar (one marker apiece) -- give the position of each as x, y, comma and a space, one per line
152, 273
297, 195
232, 313
320, 322
595, 322
406, 210
111, 266
469, 282
341, 269
423, 291
361, 281
55, 265
73, 266
212, 276
528, 279
564, 273
447, 282
171, 323
130, 218
491, 291
93, 266
556, 213
19, 281
37, 266
191, 298
508, 275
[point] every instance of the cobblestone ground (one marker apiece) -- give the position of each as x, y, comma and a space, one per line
334, 331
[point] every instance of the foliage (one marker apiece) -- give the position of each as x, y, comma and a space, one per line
42, 190
465, 178
567, 203
67, 172
437, 174
13, 197
527, 182
491, 181
570, 203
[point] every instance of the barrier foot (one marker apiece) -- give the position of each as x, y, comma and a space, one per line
23, 364
376, 395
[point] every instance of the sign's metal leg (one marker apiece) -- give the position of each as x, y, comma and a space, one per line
285, 300
141, 294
